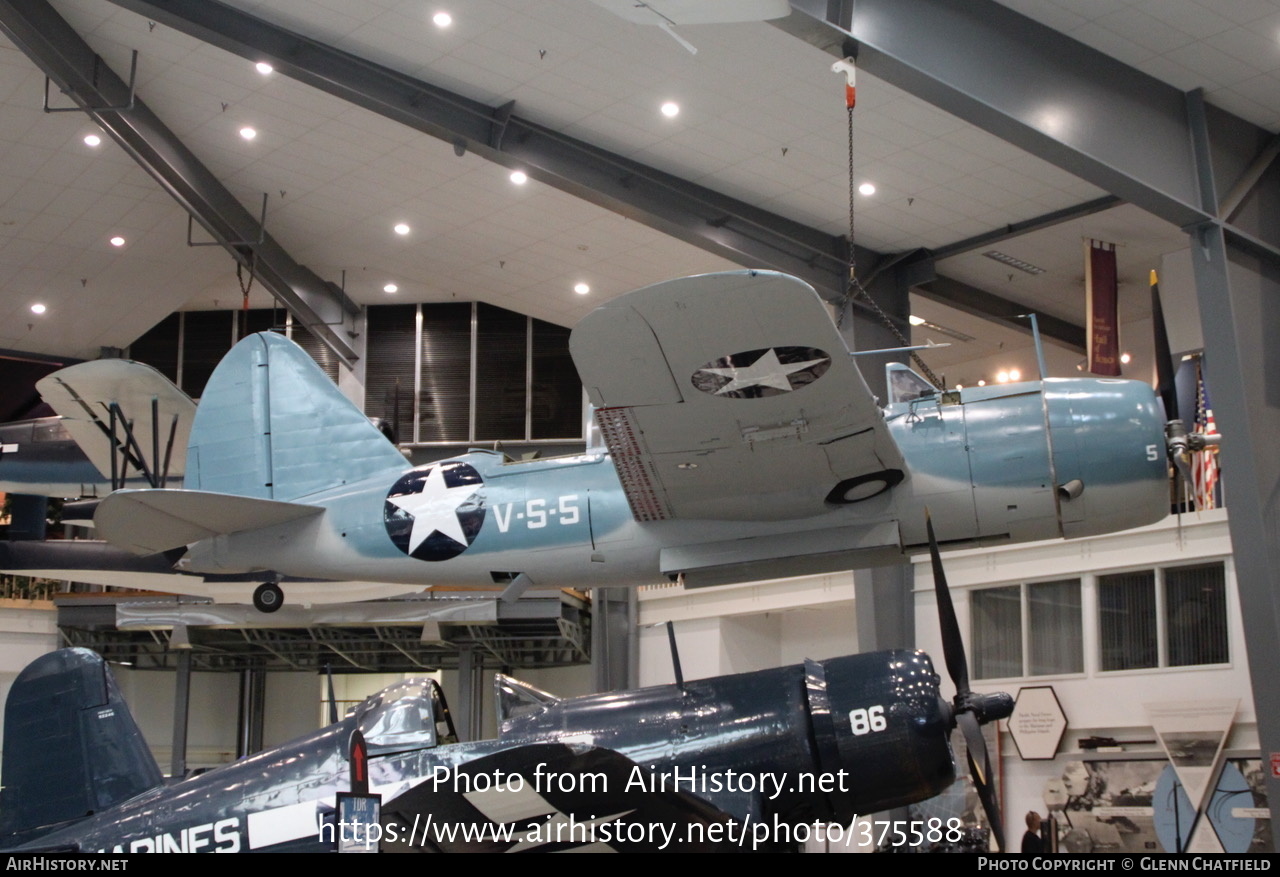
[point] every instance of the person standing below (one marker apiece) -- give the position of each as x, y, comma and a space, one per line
1032, 844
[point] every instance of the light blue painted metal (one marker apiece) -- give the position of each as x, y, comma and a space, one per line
272, 425
979, 458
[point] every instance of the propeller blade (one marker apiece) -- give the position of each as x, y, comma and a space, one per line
980, 771
1164, 356
952, 644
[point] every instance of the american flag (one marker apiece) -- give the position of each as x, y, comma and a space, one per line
1204, 464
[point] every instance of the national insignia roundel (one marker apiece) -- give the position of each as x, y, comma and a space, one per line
755, 374
436, 512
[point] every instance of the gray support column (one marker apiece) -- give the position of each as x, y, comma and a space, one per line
885, 607
27, 517
181, 710
36, 29
613, 639
1239, 311
883, 600
252, 711
470, 712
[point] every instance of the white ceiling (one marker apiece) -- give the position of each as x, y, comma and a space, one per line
762, 119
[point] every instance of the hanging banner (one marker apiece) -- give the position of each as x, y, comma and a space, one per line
1204, 464
1101, 287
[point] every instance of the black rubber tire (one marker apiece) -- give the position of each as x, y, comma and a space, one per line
268, 597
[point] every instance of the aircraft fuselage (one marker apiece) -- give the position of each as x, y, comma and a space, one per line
981, 460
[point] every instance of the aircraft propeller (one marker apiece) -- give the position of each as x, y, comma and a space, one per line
969, 710
1179, 441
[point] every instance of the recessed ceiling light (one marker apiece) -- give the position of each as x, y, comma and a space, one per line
519, 177
867, 189
442, 19
117, 241
982, 383
92, 140
915, 321
1126, 358
1015, 375
582, 289
390, 287
38, 309
671, 109
1002, 377
401, 228
248, 133
263, 67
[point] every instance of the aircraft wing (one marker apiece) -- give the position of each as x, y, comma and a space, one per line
732, 396
551, 797
158, 416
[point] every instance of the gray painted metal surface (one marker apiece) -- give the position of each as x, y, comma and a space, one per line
819, 741
1239, 310
63, 55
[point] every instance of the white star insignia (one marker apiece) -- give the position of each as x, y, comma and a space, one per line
767, 371
435, 509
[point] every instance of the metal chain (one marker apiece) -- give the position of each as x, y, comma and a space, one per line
856, 289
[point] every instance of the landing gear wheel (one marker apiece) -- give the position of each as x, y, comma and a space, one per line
268, 597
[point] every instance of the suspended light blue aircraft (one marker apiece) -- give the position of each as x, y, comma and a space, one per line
742, 444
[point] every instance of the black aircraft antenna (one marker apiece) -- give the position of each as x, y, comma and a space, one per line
333, 698
969, 711
675, 655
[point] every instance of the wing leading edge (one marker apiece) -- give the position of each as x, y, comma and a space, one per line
732, 396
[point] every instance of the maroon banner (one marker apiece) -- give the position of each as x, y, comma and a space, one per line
1102, 294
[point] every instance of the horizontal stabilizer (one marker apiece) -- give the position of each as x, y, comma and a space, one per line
145, 407
149, 521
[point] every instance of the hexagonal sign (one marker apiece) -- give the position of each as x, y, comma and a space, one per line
1037, 723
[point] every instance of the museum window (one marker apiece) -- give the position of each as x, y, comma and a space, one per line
1168, 617
1032, 629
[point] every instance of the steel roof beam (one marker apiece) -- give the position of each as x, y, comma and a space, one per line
1060, 100
63, 55
694, 214
980, 303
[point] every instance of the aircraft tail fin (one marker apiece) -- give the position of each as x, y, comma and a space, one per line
71, 747
271, 425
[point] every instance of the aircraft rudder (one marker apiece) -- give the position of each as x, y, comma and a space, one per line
272, 425
71, 746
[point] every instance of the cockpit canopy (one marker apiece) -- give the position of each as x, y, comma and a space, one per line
410, 715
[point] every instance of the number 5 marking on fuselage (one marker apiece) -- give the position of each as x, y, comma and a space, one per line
536, 514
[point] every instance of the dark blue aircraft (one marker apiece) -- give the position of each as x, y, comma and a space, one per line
697, 765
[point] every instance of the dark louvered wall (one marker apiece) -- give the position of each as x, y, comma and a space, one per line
557, 392
502, 346
521, 391
389, 359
